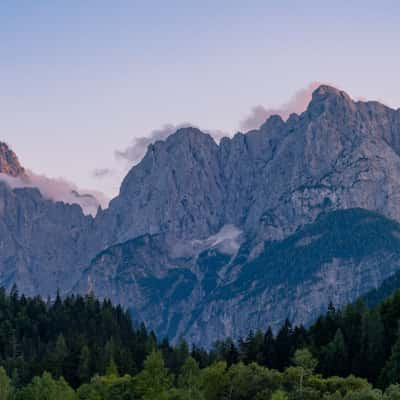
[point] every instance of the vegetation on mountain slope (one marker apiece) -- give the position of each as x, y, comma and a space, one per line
81, 348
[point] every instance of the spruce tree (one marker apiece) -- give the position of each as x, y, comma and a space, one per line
391, 372
6, 389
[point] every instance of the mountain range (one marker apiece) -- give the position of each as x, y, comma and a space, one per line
209, 240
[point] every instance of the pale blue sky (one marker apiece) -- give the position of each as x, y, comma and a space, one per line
80, 79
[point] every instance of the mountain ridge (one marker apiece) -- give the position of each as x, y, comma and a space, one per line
156, 237
9, 163
250, 151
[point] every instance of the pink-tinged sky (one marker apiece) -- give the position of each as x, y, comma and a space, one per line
80, 80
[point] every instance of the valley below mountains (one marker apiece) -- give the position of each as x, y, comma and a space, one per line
210, 240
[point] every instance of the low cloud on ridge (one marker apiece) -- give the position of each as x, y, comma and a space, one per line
59, 190
135, 151
138, 147
101, 173
297, 104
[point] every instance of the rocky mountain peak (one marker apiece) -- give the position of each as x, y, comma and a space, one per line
9, 163
329, 98
272, 123
160, 249
183, 142
327, 90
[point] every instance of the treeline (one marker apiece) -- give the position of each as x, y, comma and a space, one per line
76, 337
357, 340
88, 347
216, 382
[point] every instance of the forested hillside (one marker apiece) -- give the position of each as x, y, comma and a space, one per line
81, 348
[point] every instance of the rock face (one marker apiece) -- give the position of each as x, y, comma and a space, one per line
213, 294
9, 163
337, 154
44, 245
196, 243
177, 189
341, 256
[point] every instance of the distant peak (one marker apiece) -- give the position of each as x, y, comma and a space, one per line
189, 130
189, 135
325, 91
327, 97
9, 163
275, 121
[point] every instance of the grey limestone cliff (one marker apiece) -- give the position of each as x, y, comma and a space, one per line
188, 244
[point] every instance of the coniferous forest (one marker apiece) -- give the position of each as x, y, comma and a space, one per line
82, 348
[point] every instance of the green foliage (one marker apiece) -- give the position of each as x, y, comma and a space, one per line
306, 363
46, 388
84, 369
154, 381
6, 389
305, 360
345, 234
76, 338
102, 357
279, 395
392, 393
110, 387
214, 381
391, 373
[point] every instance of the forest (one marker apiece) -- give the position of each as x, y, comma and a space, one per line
79, 347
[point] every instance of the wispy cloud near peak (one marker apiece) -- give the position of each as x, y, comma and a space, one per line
135, 151
297, 104
59, 190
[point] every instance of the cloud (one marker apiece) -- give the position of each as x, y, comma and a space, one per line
136, 150
227, 240
59, 190
297, 104
138, 147
100, 173
216, 134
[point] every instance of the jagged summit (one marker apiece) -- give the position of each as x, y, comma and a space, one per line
189, 136
273, 122
266, 185
323, 91
267, 181
9, 163
327, 97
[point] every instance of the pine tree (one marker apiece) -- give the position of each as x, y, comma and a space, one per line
154, 381
335, 356
112, 369
6, 389
84, 371
59, 356
189, 378
269, 355
391, 372
283, 346
232, 355
109, 354
370, 360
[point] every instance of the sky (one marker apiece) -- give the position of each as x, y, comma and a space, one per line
80, 80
